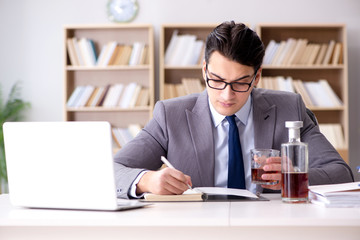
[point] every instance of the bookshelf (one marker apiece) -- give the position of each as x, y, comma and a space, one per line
101, 76
335, 73
173, 74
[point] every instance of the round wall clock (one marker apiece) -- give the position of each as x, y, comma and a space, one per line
122, 10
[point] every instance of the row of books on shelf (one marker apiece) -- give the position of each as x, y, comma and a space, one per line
82, 52
314, 93
111, 95
301, 52
334, 134
187, 86
184, 50
121, 136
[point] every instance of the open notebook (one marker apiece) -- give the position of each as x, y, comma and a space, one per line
207, 194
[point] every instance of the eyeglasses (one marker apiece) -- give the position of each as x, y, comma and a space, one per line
235, 86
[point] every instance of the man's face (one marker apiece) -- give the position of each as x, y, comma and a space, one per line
227, 102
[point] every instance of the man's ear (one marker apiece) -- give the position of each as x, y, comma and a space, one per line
258, 75
204, 70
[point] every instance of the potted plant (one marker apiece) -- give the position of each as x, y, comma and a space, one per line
10, 110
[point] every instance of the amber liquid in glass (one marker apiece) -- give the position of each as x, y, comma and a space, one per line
256, 174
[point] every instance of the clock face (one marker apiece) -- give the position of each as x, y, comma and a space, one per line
122, 10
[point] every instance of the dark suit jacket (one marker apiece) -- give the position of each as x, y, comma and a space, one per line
182, 130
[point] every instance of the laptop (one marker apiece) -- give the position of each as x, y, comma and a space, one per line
62, 165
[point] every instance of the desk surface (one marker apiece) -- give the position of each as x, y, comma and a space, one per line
211, 220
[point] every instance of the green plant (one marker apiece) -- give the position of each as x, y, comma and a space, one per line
10, 110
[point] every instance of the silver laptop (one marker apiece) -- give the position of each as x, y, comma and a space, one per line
64, 165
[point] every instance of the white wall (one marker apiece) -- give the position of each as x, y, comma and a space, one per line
31, 40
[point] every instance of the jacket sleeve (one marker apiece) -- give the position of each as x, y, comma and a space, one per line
325, 164
143, 152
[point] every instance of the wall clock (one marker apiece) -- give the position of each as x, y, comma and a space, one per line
122, 10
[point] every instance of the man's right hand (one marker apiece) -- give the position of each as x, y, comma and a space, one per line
164, 181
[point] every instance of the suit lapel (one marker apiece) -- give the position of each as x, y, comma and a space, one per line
264, 120
201, 131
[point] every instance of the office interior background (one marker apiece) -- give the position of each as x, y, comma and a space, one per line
32, 41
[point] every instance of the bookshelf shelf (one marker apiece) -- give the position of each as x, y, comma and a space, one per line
303, 67
107, 109
335, 73
196, 67
340, 108
173, 74
87, 68
109, 75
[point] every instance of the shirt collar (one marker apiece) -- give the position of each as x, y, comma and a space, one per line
242, 114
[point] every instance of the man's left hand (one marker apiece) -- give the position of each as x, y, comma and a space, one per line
273, 164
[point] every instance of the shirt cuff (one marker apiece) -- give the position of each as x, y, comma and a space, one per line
132, 191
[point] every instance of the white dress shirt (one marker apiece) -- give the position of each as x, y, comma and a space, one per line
244, 121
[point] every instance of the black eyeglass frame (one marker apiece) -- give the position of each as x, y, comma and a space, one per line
226, 83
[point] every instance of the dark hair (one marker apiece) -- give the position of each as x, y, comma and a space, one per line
236, 42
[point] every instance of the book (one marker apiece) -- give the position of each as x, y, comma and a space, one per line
336, 195
88, 90
75, 96
97, 97
313, 54
334, 98
86, 52
171, 47
289, 49
334, 134
337, 53
92, 97
329, 52
278, 52
125, 55
75, 43
321, 55
204, 194
114, 55
135, 96
113, 95
102, 96
143, 98
129, 91
72, 53
136, 53
300, 88
306, 54
269, 52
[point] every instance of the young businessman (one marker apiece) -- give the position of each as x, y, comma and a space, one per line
193, 131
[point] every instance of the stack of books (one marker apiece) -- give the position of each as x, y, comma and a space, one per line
184, 50
334, 134
122, 136
314, 93
301, 52
187, 86
115, 95
82, 52
336, 195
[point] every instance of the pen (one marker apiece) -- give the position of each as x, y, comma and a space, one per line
167, 163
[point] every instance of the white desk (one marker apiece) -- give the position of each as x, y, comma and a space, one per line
195, 220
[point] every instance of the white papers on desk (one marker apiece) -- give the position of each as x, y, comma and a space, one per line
222, 191
336, 195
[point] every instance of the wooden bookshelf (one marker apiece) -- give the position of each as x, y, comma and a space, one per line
174, 73
112, 74
335, 74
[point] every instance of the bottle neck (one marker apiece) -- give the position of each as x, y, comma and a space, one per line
294, 135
